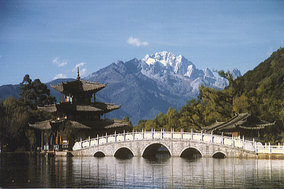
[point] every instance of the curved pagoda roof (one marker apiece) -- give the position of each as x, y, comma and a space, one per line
242, 121
43, 125
93, 107
49, 124
78, 85
98, 124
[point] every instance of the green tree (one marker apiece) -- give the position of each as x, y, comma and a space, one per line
172, 119
126, 118
140, 125
14, 123
34, 93
191, 115
241, 104
160, 120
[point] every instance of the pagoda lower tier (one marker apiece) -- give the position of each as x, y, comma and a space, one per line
98, 125
61, 134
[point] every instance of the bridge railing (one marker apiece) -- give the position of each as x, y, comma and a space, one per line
235, 142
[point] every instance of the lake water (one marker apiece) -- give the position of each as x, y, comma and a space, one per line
22, 170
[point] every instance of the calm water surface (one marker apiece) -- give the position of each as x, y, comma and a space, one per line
20, 170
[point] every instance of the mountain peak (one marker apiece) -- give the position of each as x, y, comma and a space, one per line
236, 73
164, 57
171, 63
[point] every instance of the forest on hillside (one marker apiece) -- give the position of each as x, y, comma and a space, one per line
260, 92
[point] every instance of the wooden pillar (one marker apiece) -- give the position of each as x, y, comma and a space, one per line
41, 140
56, 140
51, 137
45, 138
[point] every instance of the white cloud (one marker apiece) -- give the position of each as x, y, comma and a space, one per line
269, 52
58, 62
136, 42
58, 76
81, 64
83, 71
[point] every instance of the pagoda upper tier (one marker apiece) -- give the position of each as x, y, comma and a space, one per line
79, 91
78, 86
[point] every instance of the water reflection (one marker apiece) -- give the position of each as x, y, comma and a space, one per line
164, 172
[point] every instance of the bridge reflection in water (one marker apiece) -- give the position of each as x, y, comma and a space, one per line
179, 173
25, 171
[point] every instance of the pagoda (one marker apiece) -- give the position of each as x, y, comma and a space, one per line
78, 116
239, 125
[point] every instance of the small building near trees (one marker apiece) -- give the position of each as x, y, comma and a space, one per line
243, 124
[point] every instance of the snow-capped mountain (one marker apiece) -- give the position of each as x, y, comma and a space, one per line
151, 85
162, 66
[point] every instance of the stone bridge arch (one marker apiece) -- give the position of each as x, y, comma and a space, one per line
123, 152
194, 150
219, 154
99, 153
148, 145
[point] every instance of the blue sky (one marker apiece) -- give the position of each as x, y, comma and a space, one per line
47, 39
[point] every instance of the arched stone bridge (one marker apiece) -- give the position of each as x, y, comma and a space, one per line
179, 144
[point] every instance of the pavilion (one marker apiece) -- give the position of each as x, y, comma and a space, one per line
76, 117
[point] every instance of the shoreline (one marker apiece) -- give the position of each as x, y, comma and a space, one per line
70, 154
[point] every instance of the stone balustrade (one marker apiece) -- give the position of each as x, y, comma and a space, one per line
234, 142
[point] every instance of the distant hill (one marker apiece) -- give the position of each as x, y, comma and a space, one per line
9, 91
267, 79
